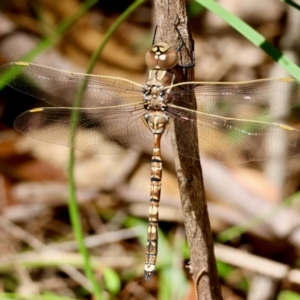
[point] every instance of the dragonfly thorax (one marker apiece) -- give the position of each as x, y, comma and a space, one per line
156, 89
154, 98
161, 56
156, 121
160, 77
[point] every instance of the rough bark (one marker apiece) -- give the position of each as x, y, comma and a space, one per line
197, 226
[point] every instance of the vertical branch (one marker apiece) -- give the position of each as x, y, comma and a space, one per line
189, 171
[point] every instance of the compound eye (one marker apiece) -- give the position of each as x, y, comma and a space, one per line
169, 59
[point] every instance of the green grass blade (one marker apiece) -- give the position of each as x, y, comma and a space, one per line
73, 208
291, 3
288, 295
112, 281
253, 36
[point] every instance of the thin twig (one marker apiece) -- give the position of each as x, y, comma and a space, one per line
189, 170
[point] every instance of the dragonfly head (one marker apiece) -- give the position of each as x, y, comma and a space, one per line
161, 56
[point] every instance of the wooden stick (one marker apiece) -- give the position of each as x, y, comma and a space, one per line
188, 170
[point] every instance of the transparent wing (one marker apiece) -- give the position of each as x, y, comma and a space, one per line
230, 117
60, 88
257, 99
99, 130
236, 140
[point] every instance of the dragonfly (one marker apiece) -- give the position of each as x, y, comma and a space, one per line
234, 120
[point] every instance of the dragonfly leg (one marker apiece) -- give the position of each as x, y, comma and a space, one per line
182, 43
153, 40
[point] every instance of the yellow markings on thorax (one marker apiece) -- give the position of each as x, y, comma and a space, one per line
36, 110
